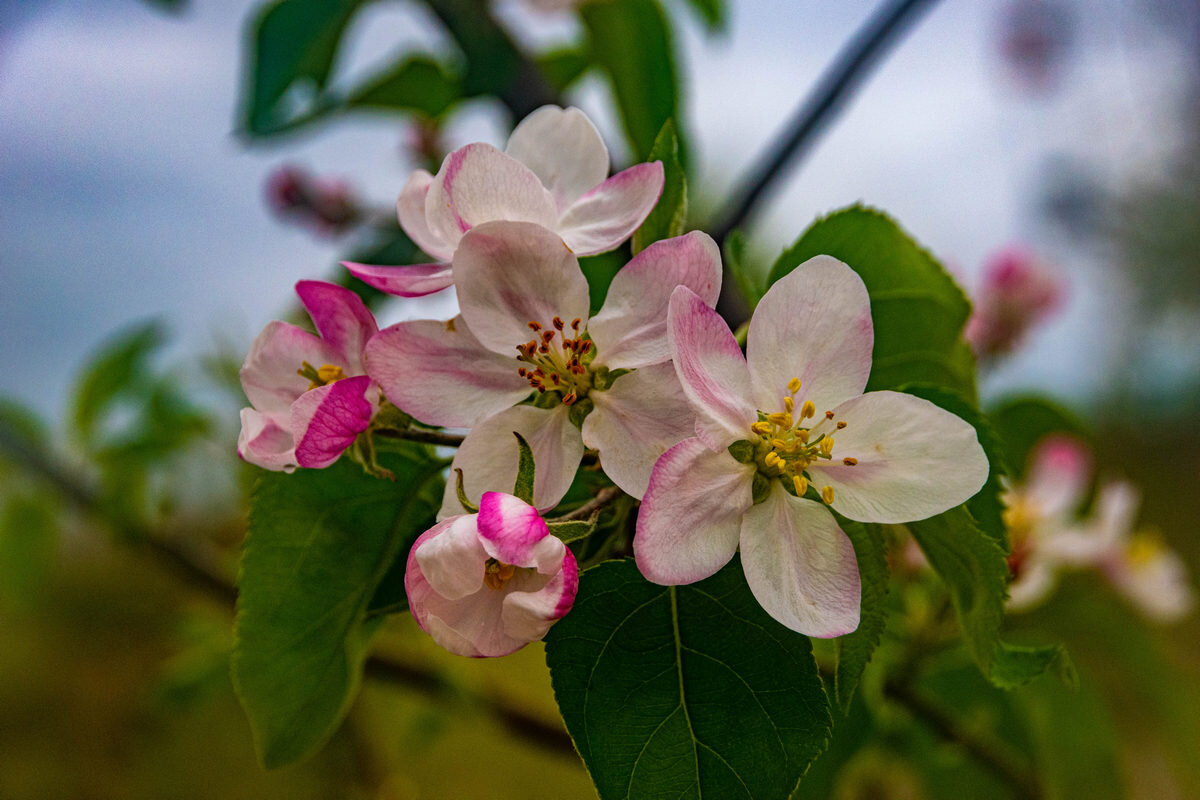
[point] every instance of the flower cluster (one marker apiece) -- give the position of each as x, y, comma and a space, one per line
1047, 538
764, 452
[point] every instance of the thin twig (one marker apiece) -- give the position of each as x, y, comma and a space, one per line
994, 756
827, 97
603, 498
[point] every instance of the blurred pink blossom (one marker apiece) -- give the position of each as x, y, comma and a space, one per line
1017, 293
325, 205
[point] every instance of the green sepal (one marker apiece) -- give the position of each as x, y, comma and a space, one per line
579, 411
743, 451
573, 530
760, 488
463, 500
603, 378
523, 489
546, 400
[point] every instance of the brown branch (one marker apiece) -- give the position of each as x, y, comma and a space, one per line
440, 438
603, 498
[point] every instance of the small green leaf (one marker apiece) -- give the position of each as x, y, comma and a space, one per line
118, 370
975, 571
670, 214
319, 543
712, 12
293, 44
855, 649
685, 691
631, 41
563, 67
414, 84
736, 265
917, 309
572, 530
523, 489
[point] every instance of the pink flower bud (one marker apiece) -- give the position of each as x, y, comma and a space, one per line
1017, 293
325, 205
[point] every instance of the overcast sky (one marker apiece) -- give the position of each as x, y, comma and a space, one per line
125, 196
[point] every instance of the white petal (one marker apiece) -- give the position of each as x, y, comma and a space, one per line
564, 149
688, 525
509, 274
644, 414
269, 374
1059, 472
452, 557
609, 214
489, 456
410, 209
800, 565
813, 324
914, 459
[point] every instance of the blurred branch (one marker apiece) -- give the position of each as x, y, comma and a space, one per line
994, 756
603, 498
826, 99
423, 436
196, 571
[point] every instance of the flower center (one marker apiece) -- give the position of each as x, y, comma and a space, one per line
558, 360
322, 376
1144, 546
496, 574
785, 443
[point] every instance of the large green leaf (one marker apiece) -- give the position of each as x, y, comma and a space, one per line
293, 44
1022, 422
975, 571
117, 370
1075, 742
414, 84
631, 41
855, 649
917, 309
687, 691
319, 543
670, 214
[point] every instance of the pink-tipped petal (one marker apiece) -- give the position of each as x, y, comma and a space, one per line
528, 614
691, 515
327, 420
479, 184
512, 273
450, 557
511, 531
341, 318
269, 374
643, 415
631, 330
711, 370
1059, 472
417, 280
441, 374
914, 459
265, 443
813, 324
564, 149
606, 216
410, 210
489, 456
800, 565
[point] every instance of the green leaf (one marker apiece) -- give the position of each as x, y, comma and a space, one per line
293, 44
986, 506
1022, 422
670, 214
631, 41
736, 265
572, 530
563, 67
119, 369
319, 543
975, 571
917, 309
1075, 741
523, 488
711, 11
414, 84
28, 546
685, 691
855, 649
600, 271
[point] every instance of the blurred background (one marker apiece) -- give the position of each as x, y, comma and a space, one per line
133, 193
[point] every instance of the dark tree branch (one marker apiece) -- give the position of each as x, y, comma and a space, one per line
423, 436
603, 498
826, 99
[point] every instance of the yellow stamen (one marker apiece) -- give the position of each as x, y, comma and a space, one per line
801, 484
827, 495
761, 428
330, 373
794, 385
772, 459
827, 445
849, 461
808, 410
780, 418
497, 573
1144, 547
779, 444
828, 415
789, 404
802, 435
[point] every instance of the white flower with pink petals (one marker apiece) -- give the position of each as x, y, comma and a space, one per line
310, 394
524, 329
554, 172
487, 584
787, 416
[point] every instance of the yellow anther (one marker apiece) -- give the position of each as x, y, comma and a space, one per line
1144, 547
802, 435
789, 404
779, 444
761, 428
497, 573
827, 445
780, 418
794, 385
808, 410
849, 461
330, 373
841, 424
772, 459
828, 415
801, 484
827, 495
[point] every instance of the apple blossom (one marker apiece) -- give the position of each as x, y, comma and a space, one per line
524, 329
487, 584
554, 172
1017, 293
787, 418
310, 394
